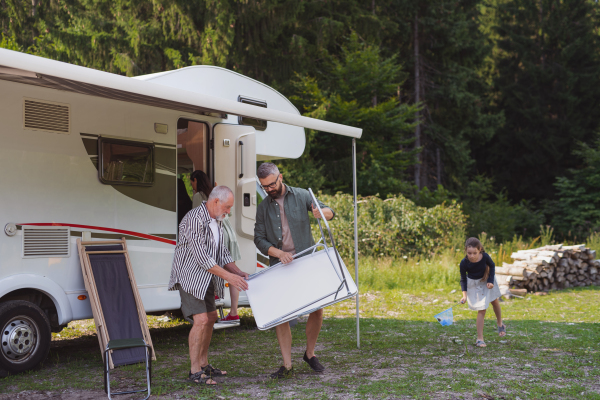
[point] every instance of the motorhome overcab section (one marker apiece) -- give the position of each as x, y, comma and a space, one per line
93, 155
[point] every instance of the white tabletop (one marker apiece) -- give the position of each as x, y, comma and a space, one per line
292, 287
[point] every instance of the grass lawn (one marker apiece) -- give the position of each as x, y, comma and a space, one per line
552, 351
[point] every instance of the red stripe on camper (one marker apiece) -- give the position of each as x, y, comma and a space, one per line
99, 228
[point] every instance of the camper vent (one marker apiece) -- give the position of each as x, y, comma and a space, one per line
46, 116
45, 242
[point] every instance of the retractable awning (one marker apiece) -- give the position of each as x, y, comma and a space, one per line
39, 71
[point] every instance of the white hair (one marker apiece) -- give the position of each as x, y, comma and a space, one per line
266, 169
220, 192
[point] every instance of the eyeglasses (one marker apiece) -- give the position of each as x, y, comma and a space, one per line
271, 185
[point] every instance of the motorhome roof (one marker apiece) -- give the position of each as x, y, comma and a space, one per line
225, 83
39, 71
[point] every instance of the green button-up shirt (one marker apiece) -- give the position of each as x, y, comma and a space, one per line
267, 228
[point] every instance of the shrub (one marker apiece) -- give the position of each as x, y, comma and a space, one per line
492, 212
576, 211
393, 227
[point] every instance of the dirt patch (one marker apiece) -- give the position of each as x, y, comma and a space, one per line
67, 395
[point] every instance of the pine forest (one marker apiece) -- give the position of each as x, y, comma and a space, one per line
491, 106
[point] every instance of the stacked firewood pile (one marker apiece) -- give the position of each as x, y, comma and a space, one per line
549, 268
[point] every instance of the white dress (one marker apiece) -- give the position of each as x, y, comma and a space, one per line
479, 296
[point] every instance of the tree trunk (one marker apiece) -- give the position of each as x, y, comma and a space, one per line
417, 100
541, 37
438, 165
425, 162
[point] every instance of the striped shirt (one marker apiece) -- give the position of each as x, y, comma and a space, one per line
228, 233
196, 252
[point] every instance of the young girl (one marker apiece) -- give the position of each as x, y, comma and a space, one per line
479, 286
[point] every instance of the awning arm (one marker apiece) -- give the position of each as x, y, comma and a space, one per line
355, 241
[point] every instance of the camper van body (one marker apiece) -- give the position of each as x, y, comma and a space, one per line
51, 185
87, 154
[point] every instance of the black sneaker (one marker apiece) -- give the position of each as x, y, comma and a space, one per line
314, 363
282, 372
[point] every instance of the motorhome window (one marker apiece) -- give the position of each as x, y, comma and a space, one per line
258, 124
126, 163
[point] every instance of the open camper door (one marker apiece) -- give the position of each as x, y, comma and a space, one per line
235, 167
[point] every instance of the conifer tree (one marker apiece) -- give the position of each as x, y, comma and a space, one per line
446, 52
343, 93
548, 86
576, 209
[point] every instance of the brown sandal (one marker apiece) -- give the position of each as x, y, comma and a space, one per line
200, 378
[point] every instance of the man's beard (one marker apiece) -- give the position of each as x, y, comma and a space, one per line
221, 217
276, 193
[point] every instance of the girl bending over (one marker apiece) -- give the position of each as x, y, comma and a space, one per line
479, 286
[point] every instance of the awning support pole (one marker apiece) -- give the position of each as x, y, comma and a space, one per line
356, 242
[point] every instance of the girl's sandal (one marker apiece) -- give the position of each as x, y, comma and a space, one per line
200, 378
502, 330
480, 343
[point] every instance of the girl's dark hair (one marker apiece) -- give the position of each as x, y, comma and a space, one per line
202, 182
476, 244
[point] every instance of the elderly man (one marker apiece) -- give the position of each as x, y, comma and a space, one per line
282, 229
200, 265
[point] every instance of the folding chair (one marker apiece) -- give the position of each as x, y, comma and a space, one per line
122, 344
117, 308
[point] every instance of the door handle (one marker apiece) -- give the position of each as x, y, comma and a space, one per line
241, 159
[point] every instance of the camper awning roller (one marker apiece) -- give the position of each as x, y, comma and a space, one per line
94, 82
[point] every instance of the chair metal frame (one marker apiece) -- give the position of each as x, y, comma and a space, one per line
116, 346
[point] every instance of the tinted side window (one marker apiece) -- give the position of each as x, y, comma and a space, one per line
126, 163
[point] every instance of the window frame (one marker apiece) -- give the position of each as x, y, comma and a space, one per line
253, 102
102, 140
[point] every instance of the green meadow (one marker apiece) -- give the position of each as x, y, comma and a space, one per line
551, 351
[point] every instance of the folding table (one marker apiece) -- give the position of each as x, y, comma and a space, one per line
313, 280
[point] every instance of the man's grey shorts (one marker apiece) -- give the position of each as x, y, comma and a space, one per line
190, 305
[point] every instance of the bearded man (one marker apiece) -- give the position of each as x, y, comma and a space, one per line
282, 229
201, 263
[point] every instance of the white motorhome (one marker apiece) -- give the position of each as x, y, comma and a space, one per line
93, 155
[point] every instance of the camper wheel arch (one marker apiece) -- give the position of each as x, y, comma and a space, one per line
41, 291
40, 299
